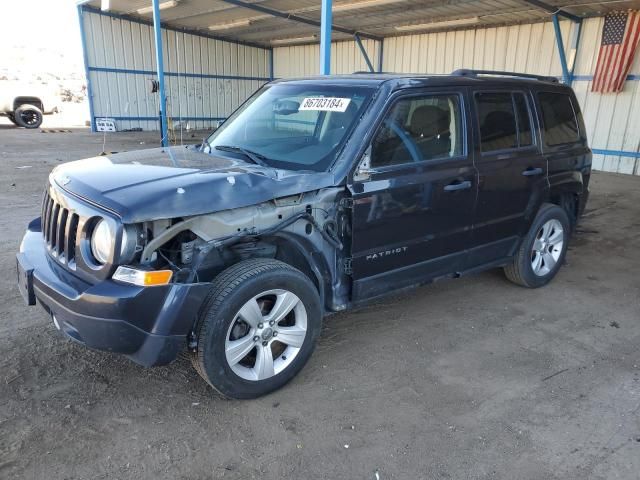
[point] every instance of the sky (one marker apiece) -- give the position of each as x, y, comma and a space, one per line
40, 36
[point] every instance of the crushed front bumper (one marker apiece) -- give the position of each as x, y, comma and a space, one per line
150, 325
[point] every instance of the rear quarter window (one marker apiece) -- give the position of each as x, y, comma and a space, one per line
558, 118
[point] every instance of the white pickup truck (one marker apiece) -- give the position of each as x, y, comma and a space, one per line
25, 104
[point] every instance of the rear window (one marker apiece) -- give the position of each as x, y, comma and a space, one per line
559, 118
504, 120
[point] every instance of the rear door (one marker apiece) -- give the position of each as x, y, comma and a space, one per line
412, 213
512, 172
565, 140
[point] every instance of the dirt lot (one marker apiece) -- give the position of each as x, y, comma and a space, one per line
465, 379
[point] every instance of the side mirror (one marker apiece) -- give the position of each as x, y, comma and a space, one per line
364, 170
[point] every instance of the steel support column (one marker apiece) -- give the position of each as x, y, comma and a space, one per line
325, 37
566, 77
364, 52
85, 57
157, 29
271, 77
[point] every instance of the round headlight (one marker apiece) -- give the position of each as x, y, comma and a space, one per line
102, 241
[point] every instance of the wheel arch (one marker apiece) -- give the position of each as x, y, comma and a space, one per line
301, 254
28, 100
565, 192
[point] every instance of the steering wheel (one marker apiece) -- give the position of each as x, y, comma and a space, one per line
408, 143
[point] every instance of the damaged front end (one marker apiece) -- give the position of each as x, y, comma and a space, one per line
309, 231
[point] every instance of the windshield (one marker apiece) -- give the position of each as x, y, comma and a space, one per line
294, 127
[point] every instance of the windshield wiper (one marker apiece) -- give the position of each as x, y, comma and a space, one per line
255, 157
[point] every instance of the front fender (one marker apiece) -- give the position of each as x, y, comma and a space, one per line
319, 265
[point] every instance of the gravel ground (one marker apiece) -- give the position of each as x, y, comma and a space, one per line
473, 378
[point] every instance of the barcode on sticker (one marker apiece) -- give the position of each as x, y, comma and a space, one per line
326, 104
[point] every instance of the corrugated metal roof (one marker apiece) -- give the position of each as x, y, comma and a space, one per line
380, 18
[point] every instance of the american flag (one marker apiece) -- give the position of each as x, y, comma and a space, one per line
619, 42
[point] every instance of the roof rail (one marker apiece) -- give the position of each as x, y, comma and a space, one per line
465, 72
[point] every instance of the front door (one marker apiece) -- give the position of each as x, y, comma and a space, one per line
512, 173
413, 210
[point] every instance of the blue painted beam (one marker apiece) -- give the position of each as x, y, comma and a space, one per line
176, 74
615, 153
566, 77
155, 119
258, 7
157, 30
195, 33
364, 52
588, 78
552, 9
85, 57
325, 37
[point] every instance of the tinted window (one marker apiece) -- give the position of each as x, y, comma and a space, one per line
497, 121
558, 116
504, 119
524, 120
417, 129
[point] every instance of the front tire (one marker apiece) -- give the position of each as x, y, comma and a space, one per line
28, 116
543, 249
257, 328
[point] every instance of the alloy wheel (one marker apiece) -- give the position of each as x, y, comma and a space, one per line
266, 335
547, 247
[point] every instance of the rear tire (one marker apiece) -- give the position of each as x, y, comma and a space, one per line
28, 116
257, 328
542, 250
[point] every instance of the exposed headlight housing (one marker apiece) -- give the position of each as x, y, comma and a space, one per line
102, 241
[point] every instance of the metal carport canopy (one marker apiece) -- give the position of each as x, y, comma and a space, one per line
270, 23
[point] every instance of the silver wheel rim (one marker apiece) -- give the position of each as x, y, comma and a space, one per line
547, 247
266, 335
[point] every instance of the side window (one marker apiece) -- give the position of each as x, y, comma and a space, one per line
419, 128
497, 121
559, 118
524, 120
504, 119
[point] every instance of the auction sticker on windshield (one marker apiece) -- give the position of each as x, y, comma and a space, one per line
325, 104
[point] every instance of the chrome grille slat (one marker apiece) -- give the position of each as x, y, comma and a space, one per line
70, 236
59, 229
60, 233
53, 227
46, 216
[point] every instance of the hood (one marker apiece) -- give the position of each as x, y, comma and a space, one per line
147, 185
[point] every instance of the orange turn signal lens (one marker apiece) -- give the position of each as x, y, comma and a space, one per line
142, 278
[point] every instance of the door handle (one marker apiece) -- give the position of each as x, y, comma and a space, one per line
531, 172
458, 186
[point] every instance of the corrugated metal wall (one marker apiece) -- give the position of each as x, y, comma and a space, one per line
612, 120
304, 60
206, 79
